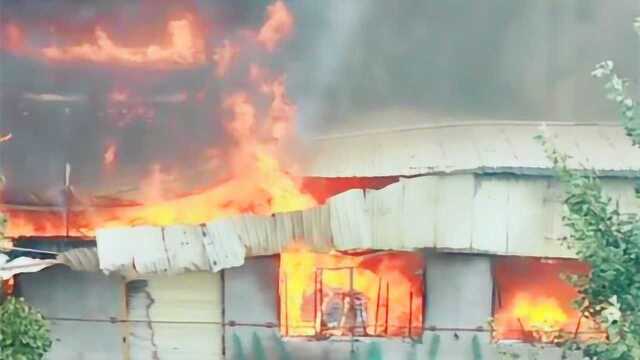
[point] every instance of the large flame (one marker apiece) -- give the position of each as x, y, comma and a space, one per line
536, 315
110, 154
11, 38
391, 284
535, 303
250, 174
224, 56
278, 26
185, 47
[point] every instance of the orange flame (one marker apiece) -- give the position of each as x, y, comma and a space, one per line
278, 26
185, 47
6, 137
252, 174
536, 302
281, 109
110, 154
305, 289
223, 56
537, 316
12, 38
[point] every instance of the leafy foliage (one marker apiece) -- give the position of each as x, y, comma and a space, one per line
607, 239
24, 334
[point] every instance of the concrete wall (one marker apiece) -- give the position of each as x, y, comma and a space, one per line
59, 292
459, 293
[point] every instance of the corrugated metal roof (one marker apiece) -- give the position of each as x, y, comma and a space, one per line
487, 147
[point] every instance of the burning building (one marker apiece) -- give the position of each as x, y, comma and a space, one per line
208, 180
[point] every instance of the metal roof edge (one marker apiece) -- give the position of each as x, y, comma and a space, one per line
463, 124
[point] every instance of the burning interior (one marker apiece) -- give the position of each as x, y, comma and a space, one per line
366, 294
533, 303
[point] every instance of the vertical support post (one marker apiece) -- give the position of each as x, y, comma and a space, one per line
386, 313
351, 280
375, 326
410, 312
286, 306
224, 315
316, 323
321, 299
67, 197
352, 330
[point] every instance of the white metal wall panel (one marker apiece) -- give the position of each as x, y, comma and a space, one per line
185, 249
256, 232
454, 220
171, 250
619, 191
350, 221
117, 247
386, 209
525, 215
316, 224
490, 216
222, 245
185, 312
555, 230
502, 214
420, 207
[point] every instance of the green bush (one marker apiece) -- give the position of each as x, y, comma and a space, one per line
24, 334
606, 238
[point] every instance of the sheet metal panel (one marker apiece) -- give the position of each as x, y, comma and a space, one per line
222, 245
350, 221
386, 209
501, 214
185, 248
316, 228
420, 206
490, 217
525, 215
454, 212
59, 292
471, 147
119, 249
181, 314
171, 250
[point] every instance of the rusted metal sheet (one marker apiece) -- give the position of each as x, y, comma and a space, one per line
489, 147
175, 317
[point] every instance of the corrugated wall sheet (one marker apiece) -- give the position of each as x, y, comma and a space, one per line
499, 214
